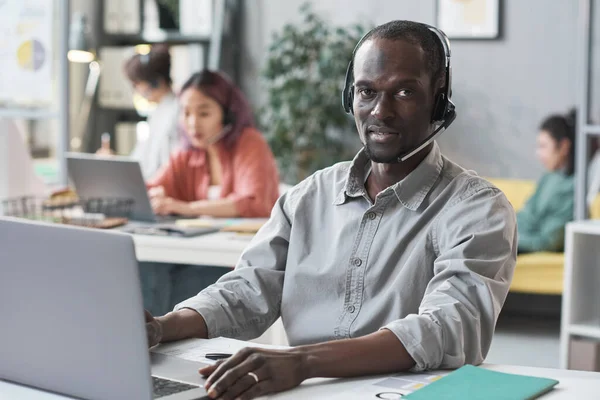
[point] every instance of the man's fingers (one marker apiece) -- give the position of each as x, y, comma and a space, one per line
153, 329
151, 334
251, 373
209, 369
260, 389
147, 316
224, 365
236, 388
231, 370
264, 385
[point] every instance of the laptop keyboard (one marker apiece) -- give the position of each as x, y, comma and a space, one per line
165, 387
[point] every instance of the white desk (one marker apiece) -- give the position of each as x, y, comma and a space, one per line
221, 249
573, 385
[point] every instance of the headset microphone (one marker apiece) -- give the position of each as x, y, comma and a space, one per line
437, 132
212, 140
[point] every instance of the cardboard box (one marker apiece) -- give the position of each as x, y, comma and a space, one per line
584, 354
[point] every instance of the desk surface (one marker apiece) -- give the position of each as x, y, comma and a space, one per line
573, 385
222, 249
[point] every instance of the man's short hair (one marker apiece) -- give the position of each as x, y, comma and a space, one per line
417, 34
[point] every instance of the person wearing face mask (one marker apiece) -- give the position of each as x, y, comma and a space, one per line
541, 222
150, 76
225, 169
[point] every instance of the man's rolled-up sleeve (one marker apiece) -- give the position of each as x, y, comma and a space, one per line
243, 303
475, 244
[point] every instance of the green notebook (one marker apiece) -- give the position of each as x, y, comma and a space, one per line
473, 383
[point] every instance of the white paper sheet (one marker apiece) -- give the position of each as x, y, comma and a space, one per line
391, 387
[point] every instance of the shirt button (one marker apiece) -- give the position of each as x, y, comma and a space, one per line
357, 262
371, 216
351, 309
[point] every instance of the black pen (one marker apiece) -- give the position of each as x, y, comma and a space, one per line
217, 356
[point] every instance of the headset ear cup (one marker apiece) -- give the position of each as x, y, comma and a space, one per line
348, 92
350, 100
228, 118
347, 99
439, 108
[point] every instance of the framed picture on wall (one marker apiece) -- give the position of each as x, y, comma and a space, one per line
469, 19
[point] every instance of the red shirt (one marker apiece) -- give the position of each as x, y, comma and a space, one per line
249, 175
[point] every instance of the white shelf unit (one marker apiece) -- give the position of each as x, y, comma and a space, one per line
589, 329
581, 291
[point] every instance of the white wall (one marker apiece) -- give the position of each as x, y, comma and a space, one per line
502, 89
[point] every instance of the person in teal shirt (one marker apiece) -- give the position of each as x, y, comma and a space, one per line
541, 222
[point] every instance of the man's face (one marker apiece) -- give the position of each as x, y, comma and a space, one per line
393, 98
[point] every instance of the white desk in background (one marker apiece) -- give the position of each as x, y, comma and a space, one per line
221, 249
573, 385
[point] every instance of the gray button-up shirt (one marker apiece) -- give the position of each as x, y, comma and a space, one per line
431, 259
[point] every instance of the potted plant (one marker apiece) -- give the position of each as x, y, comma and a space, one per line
303, 119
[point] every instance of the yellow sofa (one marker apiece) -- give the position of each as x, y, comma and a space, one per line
537, 273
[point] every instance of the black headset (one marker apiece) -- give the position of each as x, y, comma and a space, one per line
444, 111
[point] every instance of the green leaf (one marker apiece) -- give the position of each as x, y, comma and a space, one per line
303, 120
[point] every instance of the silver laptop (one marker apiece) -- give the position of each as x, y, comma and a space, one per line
118, 177
72, 317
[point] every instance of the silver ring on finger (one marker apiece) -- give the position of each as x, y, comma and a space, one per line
253, 375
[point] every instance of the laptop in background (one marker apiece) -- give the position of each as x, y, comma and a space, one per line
121, 177
72, 314
117, 177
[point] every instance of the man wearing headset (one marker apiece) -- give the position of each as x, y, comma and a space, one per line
399, 260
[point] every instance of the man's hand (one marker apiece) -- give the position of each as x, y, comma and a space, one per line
253, 372
256, 372
154, 329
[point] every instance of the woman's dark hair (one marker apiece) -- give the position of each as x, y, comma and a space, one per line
152, 67
563, 127
236, 110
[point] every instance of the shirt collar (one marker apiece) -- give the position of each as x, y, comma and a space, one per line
411, 191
